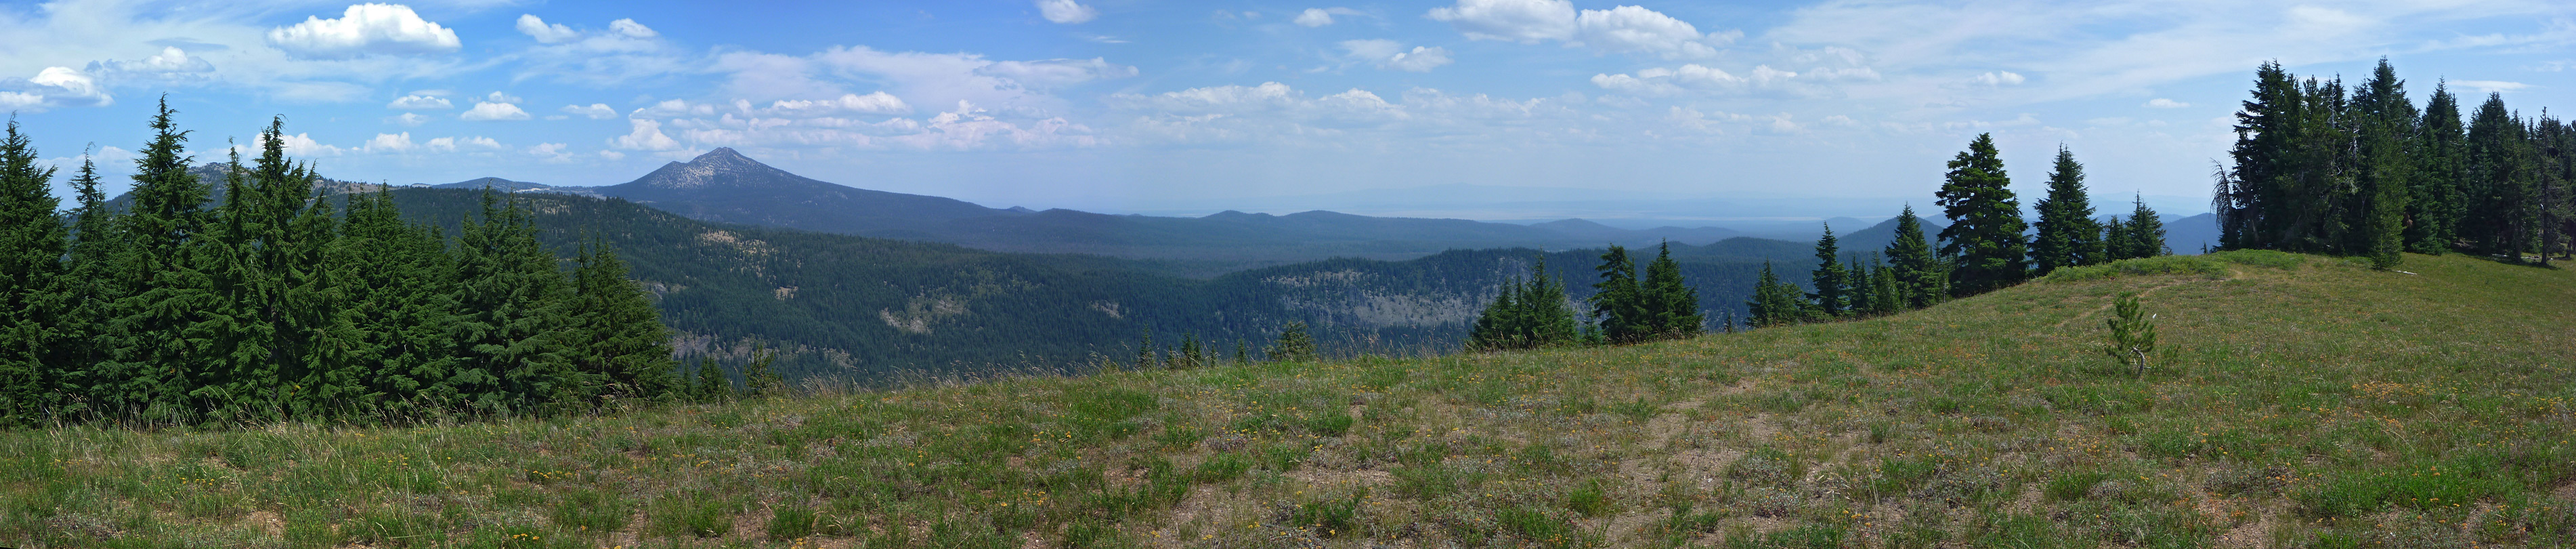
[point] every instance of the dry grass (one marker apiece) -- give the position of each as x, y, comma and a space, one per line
2318, 404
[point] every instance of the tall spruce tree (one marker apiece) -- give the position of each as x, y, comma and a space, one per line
1527, 314
2069, 236
161, 290
618, 345
1859, 289
89, 293
2144, 232
32, 243
2434, 202
1985, 233
2386, 122
510, 321
1619, 306
1670, 302
403, 296
1885, 296
2498, 178
1921, 278
1830, 299
2550, 141
1774, 303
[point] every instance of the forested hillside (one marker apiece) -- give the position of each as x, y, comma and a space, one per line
867, 309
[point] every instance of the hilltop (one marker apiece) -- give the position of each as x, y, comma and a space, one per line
2296, 401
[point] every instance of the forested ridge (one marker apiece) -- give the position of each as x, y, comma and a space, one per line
278, 302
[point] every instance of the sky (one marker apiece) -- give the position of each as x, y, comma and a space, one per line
1776, 110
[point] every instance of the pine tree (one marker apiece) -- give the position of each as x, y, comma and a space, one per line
1885, 297
712, 385
620, 347
508, 296
759, 378
1829, 278
2501, 215
402, 293
1985, 232
1859, 289
89, 294
1551, 320
32, 243
2433, 207
1775, 303
1293, 344
2146, 233
1500, 322
2117, 243
2068, 234
1670, 302
2386, 122
1921, 279
160, 290
1618, 304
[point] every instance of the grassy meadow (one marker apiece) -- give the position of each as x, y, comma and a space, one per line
2294, 401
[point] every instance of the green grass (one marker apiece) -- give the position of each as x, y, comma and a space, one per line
2294, 401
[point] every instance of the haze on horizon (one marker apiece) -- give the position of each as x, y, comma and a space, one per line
1804, 109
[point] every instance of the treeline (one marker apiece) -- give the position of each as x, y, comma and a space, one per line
2319, 167
1623, 308
272, 304
1987, 246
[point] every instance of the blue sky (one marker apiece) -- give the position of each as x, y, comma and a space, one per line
1194, 106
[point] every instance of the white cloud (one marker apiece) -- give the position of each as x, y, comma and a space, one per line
364, 29
1066, 11
873, 103
420, 102
552, 153
544, 33
647, 136
1525, 21
675, 107
1704, 79
300, 144
1317, 17
2490, 86
451, 144
1055, 73
1388, 54
612, 155
387, 143
407, 119
56, 87
595, 111
2000, 78
172, 64
631, 29
1622, 29
498, 97
494, 111
2162, 103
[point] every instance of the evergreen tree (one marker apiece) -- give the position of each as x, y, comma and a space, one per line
161, 292
2117, 243
1860, 287
1293, 344
32, 243
2146, 233
1672, 303
2386, 122
2068, 234
1829, 298
2440, 147
509, 295
89, 294
1619, 306
2502, 216
1527, 314
1775, 303
1921, 279
1885, 297
759, 379
1985, 232
712, 385
402, 293
619, 346
1146, 354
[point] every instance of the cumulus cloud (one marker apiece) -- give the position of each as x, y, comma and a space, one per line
300, 144
1317, 17
873, 103
364, 29
2000, 78
407, 119
675, 107
1622, 29
1704, 79
1388, 54
646, 136
1066, 12
171, 65
2162, 103
388, 143
544, 33
498, 97
631, 29
452, 144
420, 102
595, 111
486, 110
53, 87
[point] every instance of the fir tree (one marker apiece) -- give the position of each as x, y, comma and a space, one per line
619, 346
1829, 278
1293, 344
1527, 314
2068, 234
160, 290
2117, 243
1985, 232
1885, 296
2440, 146
2386, 176
712, 385
759, 379
2502, 217
1860, 289
402, 296
1774, 303
89, 293
1921, 279
1670, 302
509, 295
1618, 304
32, 243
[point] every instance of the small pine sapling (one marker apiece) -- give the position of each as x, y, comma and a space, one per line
2133, 333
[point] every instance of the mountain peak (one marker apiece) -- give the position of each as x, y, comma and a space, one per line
721, 167
722, 154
